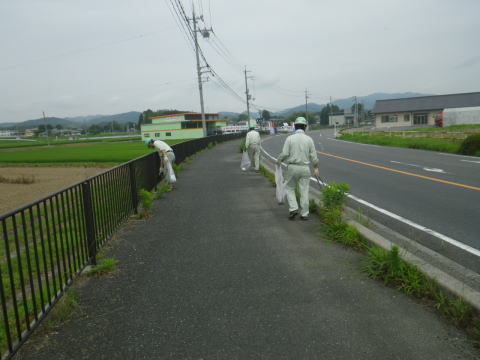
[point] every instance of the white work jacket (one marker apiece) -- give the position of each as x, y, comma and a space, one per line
253, 138
161, 146
299, 149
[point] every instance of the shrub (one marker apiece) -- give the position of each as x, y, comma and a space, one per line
146, 199
471, 145
334, 195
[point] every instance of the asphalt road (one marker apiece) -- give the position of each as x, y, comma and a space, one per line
437, 190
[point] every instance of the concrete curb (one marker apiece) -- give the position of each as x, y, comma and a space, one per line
449, 275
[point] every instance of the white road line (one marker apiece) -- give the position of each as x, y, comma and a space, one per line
402, 163
419, 166
353, 142
445, 238
472, 161
438, 235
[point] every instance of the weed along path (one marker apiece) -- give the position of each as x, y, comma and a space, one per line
218, 272
41, 181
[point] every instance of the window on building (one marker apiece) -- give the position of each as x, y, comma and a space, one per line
157, 134
389, 118
419, 119
147, 135
168, 134
406, 117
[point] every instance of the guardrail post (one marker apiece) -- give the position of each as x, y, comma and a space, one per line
133, 187
89, 222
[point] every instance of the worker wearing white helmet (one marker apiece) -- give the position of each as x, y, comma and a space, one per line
252, 143
298, 153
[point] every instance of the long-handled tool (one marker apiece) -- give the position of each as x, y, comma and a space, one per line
320, 182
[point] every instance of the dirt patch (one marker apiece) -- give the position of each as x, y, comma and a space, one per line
47, 180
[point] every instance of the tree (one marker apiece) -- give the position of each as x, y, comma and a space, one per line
94, 129
241, 117
266, 115
41, 129
361, 112
49, 127
59, 127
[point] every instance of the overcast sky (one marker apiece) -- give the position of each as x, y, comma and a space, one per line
73, 58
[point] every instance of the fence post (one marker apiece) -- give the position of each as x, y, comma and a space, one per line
155, 169
133, 186
89, 222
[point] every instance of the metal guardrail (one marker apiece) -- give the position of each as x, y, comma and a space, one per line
46, 244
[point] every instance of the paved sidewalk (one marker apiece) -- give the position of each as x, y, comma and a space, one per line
218, 272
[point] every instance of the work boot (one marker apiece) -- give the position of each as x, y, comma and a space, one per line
292, 214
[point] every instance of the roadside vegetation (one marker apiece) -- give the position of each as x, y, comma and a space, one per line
456, 139
412, 143
449, 128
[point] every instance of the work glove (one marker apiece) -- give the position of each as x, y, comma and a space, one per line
315, 172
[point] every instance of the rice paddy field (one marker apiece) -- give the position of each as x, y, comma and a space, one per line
89, 153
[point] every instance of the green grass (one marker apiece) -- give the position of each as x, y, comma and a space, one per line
108, 152
145, 200
42, 141
63, 310
412, 143
104, 266
448, 128
270, 176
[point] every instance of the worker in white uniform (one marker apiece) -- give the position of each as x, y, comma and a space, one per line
252, 143
298, 153
164, 150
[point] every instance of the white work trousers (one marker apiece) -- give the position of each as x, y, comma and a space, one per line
254, 155
298, 175
171, 159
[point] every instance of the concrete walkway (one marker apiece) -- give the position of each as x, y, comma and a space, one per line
218, 272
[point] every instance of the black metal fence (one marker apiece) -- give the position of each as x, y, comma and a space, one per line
46, 244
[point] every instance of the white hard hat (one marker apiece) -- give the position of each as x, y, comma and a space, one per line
300, 120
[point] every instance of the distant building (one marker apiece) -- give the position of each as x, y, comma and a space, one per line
30, 132
7, 133
181, 126
419, 110
340, 119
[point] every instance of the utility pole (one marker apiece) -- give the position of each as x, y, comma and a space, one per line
205, 33
355, 116
248, 96
306, 105
330, 111
45, 121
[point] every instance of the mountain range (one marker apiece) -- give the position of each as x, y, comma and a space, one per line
132, 116
77, 121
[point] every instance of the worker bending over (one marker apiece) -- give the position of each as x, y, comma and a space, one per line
252, 143
164, 150
298, 153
